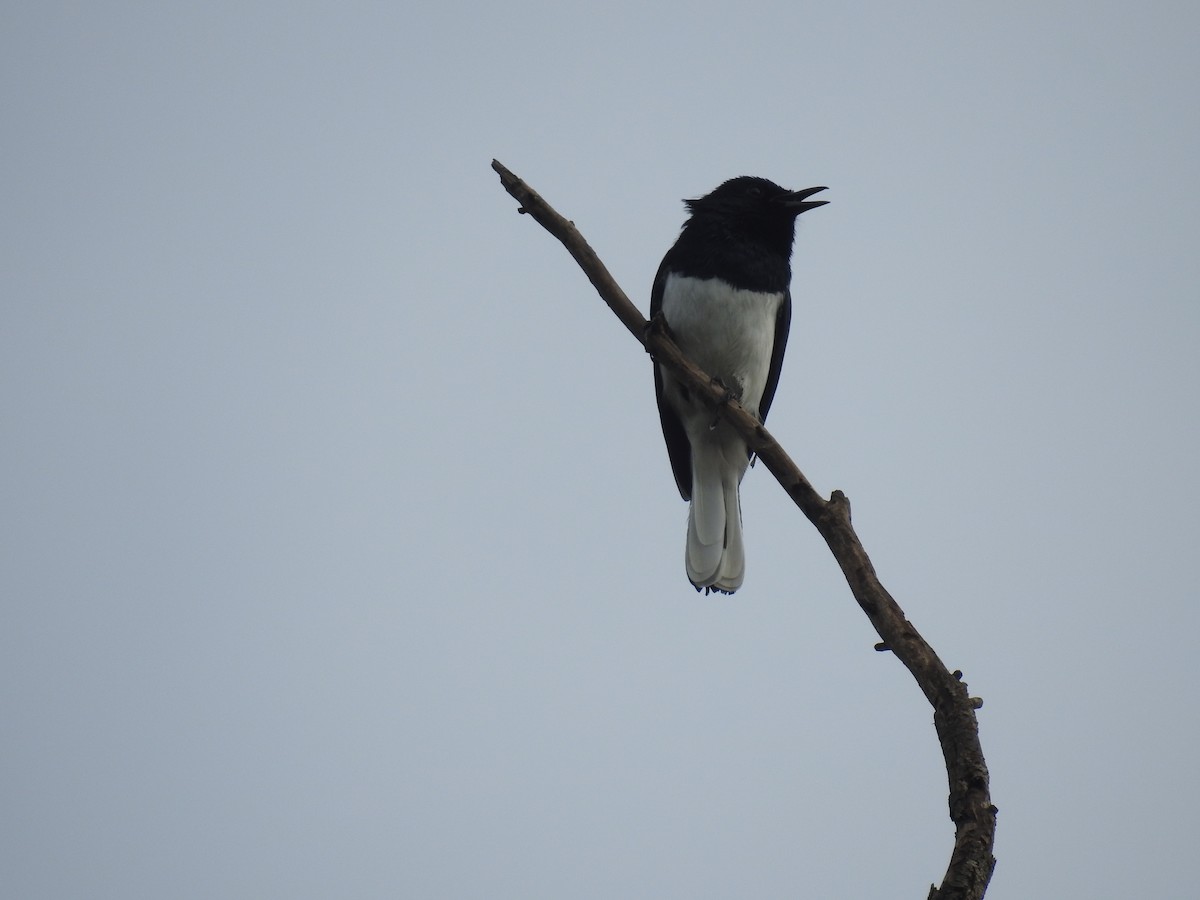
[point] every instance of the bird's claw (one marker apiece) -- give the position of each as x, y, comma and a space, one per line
727, 396
656, 326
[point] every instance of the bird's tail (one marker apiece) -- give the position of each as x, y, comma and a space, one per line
715, 557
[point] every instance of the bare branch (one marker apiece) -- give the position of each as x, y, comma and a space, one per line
971, 809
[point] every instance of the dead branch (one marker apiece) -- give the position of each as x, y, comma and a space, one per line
971, 809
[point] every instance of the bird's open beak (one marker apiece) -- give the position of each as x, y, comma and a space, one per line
798, 201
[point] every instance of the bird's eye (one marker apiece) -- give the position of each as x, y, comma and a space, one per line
755, 191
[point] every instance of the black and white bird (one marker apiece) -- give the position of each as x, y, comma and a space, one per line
724, 292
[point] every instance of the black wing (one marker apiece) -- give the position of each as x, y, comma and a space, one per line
679, 449
783, 324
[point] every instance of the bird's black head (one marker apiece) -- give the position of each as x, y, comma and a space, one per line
750, 197
756, 207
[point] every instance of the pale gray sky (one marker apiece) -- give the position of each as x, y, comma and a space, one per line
340, 553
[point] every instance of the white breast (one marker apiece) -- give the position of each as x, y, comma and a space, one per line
729, 333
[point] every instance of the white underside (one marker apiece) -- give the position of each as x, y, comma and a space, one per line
730, 334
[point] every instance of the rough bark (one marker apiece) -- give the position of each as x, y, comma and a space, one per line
971, 809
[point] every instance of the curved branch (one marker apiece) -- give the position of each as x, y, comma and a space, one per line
971, 809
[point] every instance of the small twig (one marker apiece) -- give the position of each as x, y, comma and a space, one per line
971, 809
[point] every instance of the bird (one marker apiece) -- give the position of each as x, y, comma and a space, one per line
724, 292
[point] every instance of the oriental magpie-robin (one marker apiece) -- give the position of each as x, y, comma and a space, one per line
724, 292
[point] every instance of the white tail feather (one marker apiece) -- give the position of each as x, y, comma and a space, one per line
715, 556
706, 516
733, 562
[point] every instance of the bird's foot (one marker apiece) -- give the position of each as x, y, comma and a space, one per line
727, 395
656, 326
